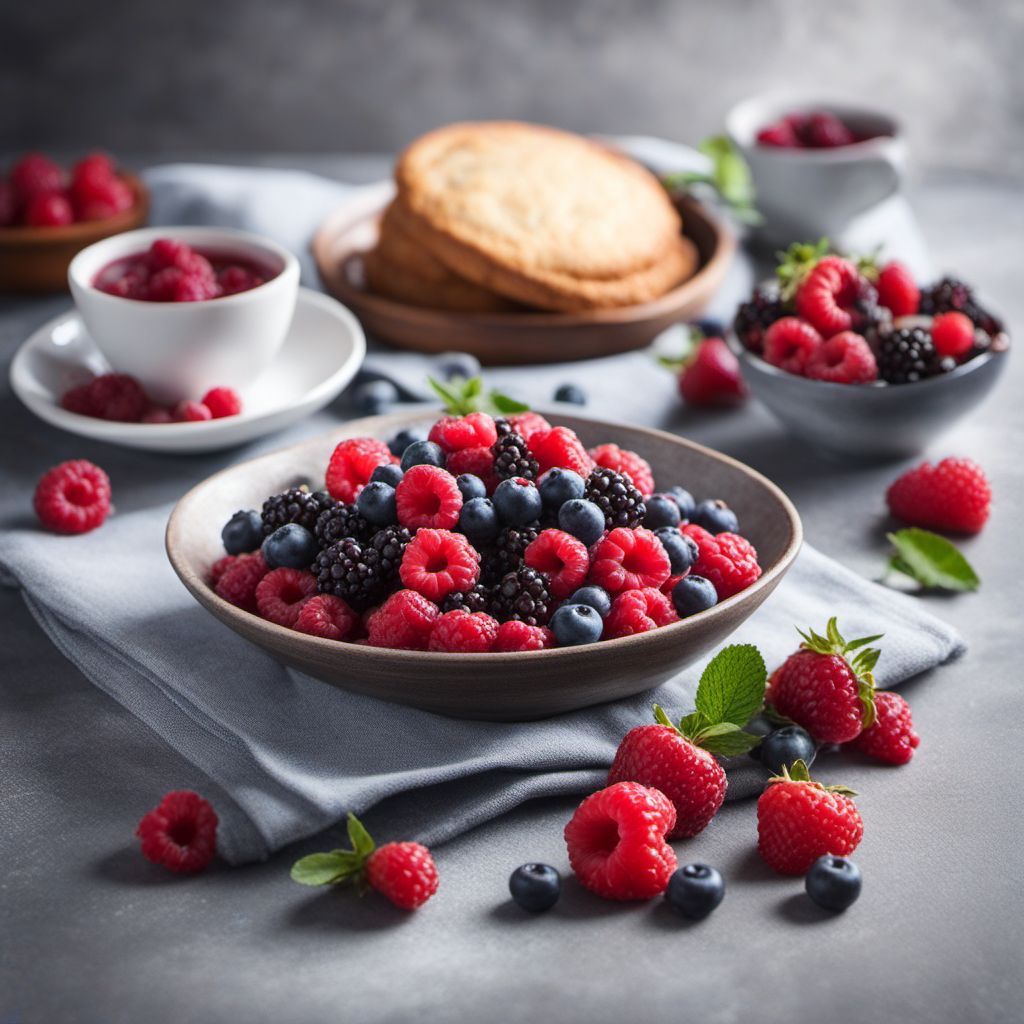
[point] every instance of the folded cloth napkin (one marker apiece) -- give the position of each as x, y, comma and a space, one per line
290, 755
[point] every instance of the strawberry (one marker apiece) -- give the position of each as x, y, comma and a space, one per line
953, 495
709, 375
818, 687
799, 820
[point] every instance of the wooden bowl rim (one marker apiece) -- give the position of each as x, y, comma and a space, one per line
204, 594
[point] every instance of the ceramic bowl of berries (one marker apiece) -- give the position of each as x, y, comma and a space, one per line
500, 569
861, 361
185, 309
49, 213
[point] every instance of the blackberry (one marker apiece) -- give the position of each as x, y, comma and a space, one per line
383, 554
296, 505
344, 570
613, 493
507, 553
476, 600
502, 426
754, 317
950, 295
907, 355
339, 522
523, 594
512, 458
870, 319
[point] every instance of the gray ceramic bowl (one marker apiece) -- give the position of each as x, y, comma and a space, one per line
871, 422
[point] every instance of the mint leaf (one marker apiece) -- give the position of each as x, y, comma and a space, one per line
731, 688
729, 176
323, 868
931, 560
362, 844
451, 398
728, 740
692, 725
504, 404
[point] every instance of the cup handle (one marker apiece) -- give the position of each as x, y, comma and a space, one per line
882, 174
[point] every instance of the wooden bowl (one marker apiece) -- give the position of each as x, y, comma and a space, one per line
512, 338
36, 259
496, 687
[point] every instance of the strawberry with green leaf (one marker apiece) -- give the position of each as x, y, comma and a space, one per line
680, 759
827, 685
708, 372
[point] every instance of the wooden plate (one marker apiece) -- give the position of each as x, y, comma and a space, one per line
496, 687
511, 338
36, 259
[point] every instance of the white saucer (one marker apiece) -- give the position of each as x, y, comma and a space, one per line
324, 349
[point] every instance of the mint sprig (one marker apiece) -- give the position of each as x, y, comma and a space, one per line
460, 397
729, 694
930, 560
337, 867
729, 178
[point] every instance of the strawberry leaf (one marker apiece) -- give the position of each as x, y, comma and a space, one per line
931, 560
362, 844
731, 688
325, 868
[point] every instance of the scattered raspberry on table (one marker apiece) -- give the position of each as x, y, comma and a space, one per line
73, 497
180, 833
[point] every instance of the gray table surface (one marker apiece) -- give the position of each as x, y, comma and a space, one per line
89, 932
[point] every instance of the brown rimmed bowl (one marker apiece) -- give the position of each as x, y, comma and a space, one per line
495, 687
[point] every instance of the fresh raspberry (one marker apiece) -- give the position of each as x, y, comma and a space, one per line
453, 433
464, 632
952, 334
526, 424
799, 821
728, 560
562, 558
234, 279
897, 290
637, 611
118, 397
35, 173
352, 463
48, 210
616, 842
846, 358
326, 616
559, 446
92, 169
891, 738
953, 495
428, 496
281, 594
621, 460
626, 559
437, 563
404, 621
169, 253
789, 344
404, 872
220, 567
100, 200
238, 583
73, 497
825, 131
712, 376
190, 412
827, 686
828, 296
689, 776
515, 635
157, 414
478, 461
180, 832
79, 400
780, 135
174, 285
222, 402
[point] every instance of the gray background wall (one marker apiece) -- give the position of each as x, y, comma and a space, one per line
316, 75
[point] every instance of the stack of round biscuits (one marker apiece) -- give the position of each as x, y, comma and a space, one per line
499, 216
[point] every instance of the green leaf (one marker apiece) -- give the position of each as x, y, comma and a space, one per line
323, 868
450, 397
362, 844
693, 724
506, 405
731, 688
729, 176
931, 560
728, 740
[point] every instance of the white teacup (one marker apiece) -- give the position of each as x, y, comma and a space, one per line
804, 194
179, 350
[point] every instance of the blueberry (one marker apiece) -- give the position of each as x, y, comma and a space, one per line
694, 890
471, 486
583, 519
662, 511
291, 546
596, 597
389, 474
376, 502
575, 624
479, 521
681, 550
535, 887
374, 397
783, 746
570, 393
517, 501
710, 328
403, 439
685, 500
833, 882
715, 517
760, 725
693, 594
242, 532
451, 365
557, 486
422, 453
